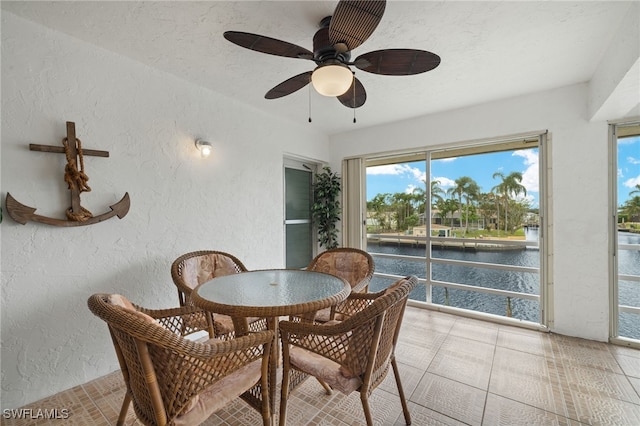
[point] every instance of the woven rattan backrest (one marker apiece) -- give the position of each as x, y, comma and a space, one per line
163, 371
142, 382
159, 366
354, 265
133, 356
375, 333
196, 267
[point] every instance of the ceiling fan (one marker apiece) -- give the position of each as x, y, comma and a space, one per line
352, 24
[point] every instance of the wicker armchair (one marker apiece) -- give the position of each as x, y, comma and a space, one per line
349, 355
354, 265
194, 268
175, 381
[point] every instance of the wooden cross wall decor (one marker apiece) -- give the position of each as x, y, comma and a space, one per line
77, 181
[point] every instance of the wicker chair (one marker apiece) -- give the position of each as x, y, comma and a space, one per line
194, 268
175, 381
349, 355
354, 265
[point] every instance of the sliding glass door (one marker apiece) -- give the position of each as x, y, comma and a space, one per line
465, 220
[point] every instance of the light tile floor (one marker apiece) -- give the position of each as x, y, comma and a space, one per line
454, 370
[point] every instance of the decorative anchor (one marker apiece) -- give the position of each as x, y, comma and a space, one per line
77, 182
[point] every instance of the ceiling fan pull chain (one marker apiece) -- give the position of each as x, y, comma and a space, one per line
354, 97
309, 103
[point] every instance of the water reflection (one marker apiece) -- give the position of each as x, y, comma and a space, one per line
523, 282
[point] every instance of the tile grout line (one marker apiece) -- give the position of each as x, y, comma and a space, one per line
493, 360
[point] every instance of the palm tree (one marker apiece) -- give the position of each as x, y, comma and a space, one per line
471, 196
401, 204
498, 193
441, 206
632, 205
510, 185
451, 206
418, 198
435, 192
379, 205
631, 208
487, 206
467, 188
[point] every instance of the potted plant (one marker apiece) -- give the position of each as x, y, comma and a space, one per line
326, 207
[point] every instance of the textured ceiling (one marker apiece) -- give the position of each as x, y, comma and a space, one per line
490, 49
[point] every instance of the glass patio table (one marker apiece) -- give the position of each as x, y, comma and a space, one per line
270, 294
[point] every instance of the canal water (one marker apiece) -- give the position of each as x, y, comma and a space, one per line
523, 282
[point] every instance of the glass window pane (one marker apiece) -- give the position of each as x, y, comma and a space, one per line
298, 195
628, 213
474, 211
298, 240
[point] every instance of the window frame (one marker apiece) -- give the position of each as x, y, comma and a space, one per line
511, 142
617, 129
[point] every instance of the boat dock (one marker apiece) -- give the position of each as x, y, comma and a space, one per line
443, 243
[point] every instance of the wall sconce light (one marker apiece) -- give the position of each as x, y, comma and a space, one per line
204, 147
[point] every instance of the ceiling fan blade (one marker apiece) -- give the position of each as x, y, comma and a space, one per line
289, 86
268, 45
354, 98
354, 21
397, 61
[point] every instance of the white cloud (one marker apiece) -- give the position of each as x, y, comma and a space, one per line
420, 176
633, 160
631, 183
530, 177
629, 140
530, 156
399, 170
445, 182
389, 169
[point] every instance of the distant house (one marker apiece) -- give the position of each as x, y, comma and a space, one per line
421, 231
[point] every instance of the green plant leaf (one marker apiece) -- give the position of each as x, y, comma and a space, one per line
326, 207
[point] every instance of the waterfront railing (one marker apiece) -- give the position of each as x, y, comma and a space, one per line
464, 244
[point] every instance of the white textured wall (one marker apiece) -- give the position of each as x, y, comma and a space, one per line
579, 187
147, 120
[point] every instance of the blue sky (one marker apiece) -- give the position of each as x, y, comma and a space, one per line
406, 176
628, 166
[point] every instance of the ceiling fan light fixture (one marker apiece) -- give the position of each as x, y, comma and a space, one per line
332, 79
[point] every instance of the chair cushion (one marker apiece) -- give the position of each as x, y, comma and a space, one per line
220, 394
224, 324
395, 285
200, 269
351, 266
324, 315
124, 303
189, 272
325, 369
